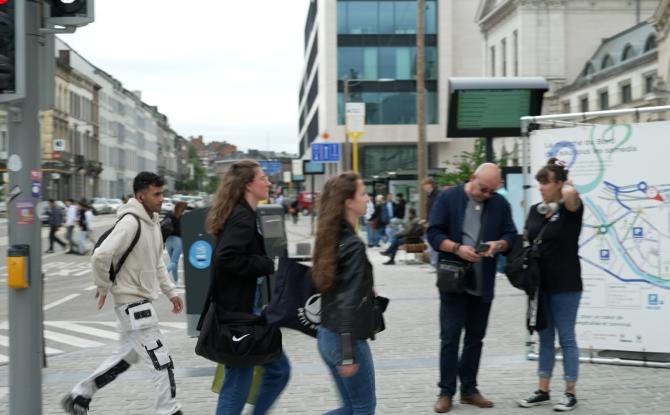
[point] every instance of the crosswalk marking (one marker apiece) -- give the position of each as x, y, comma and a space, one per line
90, 288
105, 334
70, 340
75, 334
4, 341
61, 301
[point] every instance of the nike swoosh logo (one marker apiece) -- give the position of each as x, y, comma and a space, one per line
236, 339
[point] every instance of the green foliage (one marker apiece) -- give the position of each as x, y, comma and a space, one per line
461, 168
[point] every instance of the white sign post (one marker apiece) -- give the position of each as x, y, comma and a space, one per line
355, 124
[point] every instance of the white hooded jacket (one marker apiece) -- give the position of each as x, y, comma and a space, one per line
144, 270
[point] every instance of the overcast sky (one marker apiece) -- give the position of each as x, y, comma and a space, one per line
225, 69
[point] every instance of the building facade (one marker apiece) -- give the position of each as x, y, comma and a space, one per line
368, 49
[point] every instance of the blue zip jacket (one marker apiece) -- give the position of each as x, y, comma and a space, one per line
446, 222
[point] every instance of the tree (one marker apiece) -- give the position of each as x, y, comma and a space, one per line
460, 170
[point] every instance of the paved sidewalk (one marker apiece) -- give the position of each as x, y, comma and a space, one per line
406, 360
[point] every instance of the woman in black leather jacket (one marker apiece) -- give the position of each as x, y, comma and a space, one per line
343, 275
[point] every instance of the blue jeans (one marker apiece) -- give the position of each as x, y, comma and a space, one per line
560, 310
173, 246
460, 312
395, 244
358, 391
237, 382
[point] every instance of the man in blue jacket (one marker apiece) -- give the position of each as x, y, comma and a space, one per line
462, 219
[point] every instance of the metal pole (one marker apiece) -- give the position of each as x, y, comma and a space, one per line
347, 156
313, 206
25, 305
421, 103
489, 150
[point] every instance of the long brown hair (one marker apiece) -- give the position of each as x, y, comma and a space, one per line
331, 215
230, 192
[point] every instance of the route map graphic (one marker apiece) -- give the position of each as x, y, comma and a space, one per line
624, 184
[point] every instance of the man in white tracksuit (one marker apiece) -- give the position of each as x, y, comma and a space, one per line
133, 290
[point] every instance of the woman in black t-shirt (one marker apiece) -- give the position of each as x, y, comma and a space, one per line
559, 218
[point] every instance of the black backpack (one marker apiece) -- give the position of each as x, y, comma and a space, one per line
112, 271
167, 227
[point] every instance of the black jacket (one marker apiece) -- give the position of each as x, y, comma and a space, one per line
347, 308
238, 260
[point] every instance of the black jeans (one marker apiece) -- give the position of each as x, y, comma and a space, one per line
459, 312
52, 237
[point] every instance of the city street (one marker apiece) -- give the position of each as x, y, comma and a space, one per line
406, 355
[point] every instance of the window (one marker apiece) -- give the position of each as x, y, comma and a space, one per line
628, 53
503, 51
650, 43
383, 17
516, 53
626, 93
565, 107
588, 70
649, 81
584, 103
606, 62
373, 63
493, 61
391, 108
604, 99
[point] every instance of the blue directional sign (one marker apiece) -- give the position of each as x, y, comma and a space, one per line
325, 152
270, 167
604, 254
638, 233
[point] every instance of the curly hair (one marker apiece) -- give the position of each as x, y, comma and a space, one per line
230, 192
331, 215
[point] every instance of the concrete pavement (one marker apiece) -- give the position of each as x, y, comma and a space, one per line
406, 361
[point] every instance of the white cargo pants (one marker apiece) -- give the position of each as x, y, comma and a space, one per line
139, 340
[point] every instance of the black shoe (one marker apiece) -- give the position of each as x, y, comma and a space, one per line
385, 253
537, 398
389, 262
49, 251
77, 405
568, 403
71, 252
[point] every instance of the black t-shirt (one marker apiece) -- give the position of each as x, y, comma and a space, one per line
559, 259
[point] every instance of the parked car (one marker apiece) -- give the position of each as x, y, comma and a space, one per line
115, 204
101, 206
305, 202
42, 210
167, 206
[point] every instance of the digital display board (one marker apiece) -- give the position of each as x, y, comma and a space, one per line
492, 107
311, 167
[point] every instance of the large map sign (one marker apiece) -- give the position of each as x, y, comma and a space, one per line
623, 175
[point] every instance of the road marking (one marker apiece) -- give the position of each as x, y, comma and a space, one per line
61, 301
90, 288
4, 341
176, 325
3, 359
80, 273
83, 329
70, 340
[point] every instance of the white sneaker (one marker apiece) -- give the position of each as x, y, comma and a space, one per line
568, 403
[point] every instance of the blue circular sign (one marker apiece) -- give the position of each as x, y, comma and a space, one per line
200, 254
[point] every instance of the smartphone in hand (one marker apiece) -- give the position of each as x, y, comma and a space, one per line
482, 247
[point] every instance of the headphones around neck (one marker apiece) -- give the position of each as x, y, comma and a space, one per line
545, 208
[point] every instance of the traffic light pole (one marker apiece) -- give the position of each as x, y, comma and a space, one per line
25, 304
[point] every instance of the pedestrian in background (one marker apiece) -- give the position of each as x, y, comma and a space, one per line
399, 206
85, 222
70, 222
429, 186
469, 225
173, 243
410, 234
133, 291
343, 275
239, 259
558, 218
55, 220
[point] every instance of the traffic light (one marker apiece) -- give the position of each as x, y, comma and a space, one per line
12, 53
8, 38
71, 12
